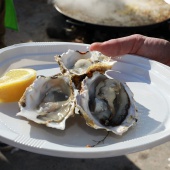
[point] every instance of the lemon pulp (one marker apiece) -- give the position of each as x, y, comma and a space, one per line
14, 82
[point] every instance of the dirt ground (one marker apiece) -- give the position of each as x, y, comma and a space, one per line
33, 19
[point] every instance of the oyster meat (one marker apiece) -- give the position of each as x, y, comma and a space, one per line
79, 64
107, 104
49, 101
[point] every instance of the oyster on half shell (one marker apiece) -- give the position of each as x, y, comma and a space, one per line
79, 64
107, 104
104, 103
49, 101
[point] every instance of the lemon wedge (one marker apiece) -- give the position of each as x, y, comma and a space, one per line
14, 82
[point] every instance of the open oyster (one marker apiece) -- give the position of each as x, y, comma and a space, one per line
106, 104
49, 100
78, 64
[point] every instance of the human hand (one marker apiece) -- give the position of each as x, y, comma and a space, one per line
152, 48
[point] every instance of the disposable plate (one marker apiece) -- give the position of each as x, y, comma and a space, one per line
148, 80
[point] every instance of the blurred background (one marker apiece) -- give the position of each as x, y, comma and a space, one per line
39, 21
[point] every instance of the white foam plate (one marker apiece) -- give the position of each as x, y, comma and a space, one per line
148, 80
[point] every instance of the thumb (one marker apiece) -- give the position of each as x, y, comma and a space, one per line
105, 48
114, 47
120, 46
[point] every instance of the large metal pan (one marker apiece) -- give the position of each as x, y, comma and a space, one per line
115, 13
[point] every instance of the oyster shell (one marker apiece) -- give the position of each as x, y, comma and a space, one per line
107, 104
104, 103
49, 101
79, 64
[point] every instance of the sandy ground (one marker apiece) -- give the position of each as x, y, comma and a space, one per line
33, 19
